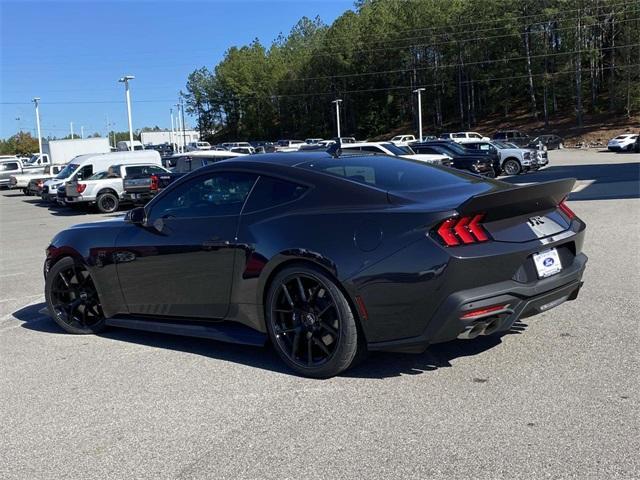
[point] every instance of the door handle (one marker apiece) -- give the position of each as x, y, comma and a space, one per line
213, 244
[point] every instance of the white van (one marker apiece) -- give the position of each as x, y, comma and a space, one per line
83, 166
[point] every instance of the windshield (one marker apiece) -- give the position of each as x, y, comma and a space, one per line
67, 171
500, 145
394, 149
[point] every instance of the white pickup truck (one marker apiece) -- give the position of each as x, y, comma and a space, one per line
21, 180
105, 189
388, 148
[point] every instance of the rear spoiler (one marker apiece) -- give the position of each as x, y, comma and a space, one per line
516, 201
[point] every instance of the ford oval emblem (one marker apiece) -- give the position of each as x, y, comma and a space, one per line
548, 262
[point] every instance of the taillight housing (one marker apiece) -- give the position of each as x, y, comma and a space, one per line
154, 182
564, 208
81, 187
462, 230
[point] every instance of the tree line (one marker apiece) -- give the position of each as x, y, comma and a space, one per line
474, 58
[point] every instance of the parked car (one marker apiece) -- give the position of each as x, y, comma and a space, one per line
84, 166
245, 150
465, 137
516, 137
105, 189
238, 251
288, 145
230, 145
125, 146
547, 142
312, 141
637, 145
388, 148
624, 142
513, 160
345, 140
481, 162
7, 169
402, 140
22, 180
194, 146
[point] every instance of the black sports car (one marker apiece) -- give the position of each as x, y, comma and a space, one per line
326, 257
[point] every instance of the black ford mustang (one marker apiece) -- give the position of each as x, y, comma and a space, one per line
326, 257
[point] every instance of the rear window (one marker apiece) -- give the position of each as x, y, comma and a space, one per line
387, 173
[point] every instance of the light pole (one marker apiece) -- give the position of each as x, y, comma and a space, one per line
178, 143
337, 102
82, 131
125, 80
71, 128
171, 134
419, 91
35, 101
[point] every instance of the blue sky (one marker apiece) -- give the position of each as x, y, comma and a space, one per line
66, 52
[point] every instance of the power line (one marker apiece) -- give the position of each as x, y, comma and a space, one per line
410, 87
448, 42
453, 65
558, 19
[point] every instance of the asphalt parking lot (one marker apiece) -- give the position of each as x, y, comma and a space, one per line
557, 397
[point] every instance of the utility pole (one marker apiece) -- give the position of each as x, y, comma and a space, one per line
419, 91
35, 101
172, 135
184, 133
71, 127
125, 80
337, 102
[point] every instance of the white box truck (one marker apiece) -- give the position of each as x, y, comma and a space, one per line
60, 152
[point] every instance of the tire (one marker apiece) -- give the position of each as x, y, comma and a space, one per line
26, 192
107, 202
511, 166
72, 299
304, 303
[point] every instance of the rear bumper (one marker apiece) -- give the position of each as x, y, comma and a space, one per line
137, 198
521, 301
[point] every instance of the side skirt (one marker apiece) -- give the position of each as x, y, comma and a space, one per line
230, 332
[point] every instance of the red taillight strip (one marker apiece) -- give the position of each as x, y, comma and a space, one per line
446, 232
154, 182
483, 311
468, 229
477, 229
564, 208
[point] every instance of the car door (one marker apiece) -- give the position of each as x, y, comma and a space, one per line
179, 263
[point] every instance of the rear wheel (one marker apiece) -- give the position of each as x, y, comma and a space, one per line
108, 202
511, 167
310, 323
72, 298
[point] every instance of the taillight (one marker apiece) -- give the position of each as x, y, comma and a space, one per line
481, 312
566, 210
154, 182
462, 230
81, 187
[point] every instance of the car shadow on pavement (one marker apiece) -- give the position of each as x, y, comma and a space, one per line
594, 181
376, 365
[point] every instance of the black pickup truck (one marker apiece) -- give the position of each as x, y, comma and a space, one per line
141, 188
476, 162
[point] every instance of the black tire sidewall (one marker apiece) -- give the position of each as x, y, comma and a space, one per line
349, 341
53, 272
102, 196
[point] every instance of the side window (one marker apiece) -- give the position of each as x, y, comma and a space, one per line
85, 172
137, 170
425, 150
209, 195
8, 166
270, 192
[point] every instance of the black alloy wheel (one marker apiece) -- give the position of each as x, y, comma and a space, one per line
107, 202
72, 298
311, 323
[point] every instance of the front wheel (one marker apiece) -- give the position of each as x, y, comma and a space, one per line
511, 167
72, 298
310, 323
108, 202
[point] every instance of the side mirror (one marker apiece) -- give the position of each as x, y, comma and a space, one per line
137, 216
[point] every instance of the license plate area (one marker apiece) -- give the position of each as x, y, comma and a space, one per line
547, 263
